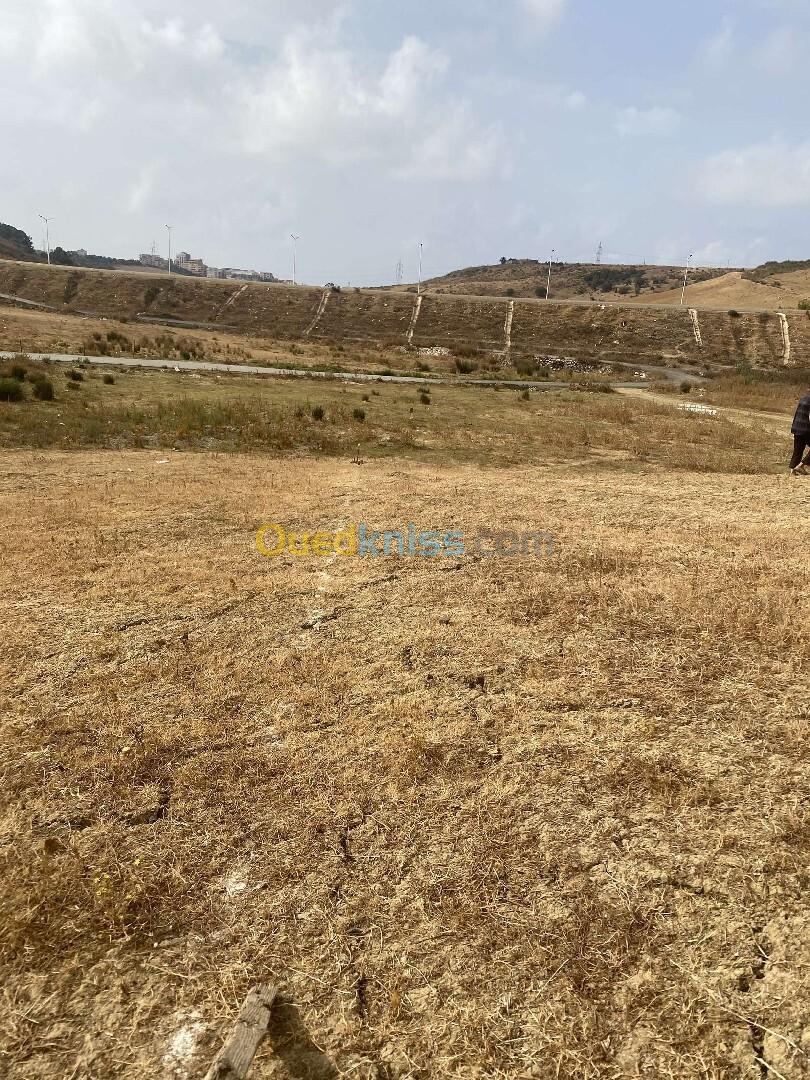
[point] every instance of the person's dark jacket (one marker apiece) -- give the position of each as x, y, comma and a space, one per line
801, 421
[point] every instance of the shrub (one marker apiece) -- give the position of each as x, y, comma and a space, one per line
525, 395
108, 379
18, 372
465, 367
686, 387
804, 305
734, 314
75, 376
424, 397
11, 390
359, 415
43, 389
421, 366
509, 292
365, 398
318, 412
540, 292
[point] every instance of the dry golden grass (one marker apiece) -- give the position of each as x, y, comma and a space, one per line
171, 410
507, 818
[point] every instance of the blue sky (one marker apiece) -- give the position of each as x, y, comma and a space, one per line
480, 129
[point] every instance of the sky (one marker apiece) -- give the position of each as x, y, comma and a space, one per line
476, 128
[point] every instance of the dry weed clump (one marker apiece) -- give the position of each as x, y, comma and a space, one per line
502, 818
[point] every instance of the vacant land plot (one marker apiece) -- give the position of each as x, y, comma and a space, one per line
503, 817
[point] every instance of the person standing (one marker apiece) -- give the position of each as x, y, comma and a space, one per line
800, 430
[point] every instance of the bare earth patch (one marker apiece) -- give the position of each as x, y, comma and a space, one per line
480, 818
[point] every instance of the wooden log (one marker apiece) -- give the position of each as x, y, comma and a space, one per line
235, 1057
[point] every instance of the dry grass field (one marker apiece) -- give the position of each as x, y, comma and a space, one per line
479, 817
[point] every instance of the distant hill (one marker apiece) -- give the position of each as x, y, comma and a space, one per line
15, 244
774, 269
528, 277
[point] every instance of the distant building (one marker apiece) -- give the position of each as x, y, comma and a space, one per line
234, 274
183, 261
155, 261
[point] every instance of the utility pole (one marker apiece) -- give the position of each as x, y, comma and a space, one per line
169, 230
685, 276
295, 240
419, 286
548, 283
47, 221
599, 254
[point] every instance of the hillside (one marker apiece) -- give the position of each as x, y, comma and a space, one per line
769, 292
15, 244
495, 328
586, 281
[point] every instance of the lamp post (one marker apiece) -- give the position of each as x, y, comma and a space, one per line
685, 276
419, 285
47, 221
548, 282
295, 240
169, 231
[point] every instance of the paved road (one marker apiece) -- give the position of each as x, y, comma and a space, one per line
347, 376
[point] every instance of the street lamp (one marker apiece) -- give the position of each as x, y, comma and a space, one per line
419, 285
169, 231
685, 276
548, 282
47, 221
295, 240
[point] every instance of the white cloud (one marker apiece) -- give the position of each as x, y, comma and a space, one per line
544, 13
324, 103
780, 50
654, 121
717, 49
769, 174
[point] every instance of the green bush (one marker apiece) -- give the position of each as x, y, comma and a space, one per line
75, 376
465, 367
108, 379
359, 415
318, 412
11, 390
18, 372
43, 389
734, 314
686, 387
804, 305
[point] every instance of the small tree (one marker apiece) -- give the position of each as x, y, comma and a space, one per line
61, 258
11, 390
43, 389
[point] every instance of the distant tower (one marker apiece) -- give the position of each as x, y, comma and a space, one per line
599, 255
400, 272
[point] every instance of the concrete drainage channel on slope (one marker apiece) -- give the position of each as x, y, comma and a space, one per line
250, 369
785, 337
